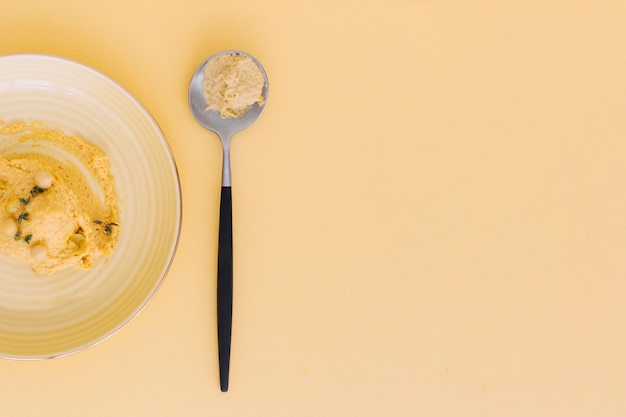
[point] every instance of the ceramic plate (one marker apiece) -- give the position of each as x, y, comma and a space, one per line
49, 316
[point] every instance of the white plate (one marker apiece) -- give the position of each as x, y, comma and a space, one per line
49, 316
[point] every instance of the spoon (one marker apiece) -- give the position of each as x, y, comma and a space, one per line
225, 129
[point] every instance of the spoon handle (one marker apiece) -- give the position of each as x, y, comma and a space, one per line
225, 285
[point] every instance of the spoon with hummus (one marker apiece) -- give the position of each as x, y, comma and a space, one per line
227, 94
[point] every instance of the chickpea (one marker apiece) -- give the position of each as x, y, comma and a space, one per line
13, 205
9, 227
39, 253
76, 241
43, 179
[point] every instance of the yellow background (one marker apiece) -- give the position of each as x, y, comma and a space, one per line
430, 215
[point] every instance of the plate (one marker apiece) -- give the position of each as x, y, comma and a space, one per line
43, 317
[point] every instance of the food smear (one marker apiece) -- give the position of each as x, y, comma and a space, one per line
232, 84
53, 214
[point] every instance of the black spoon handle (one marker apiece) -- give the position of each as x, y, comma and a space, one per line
225, 285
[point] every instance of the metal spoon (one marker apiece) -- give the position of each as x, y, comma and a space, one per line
225, 129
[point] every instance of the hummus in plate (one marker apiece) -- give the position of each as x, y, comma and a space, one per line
58, 206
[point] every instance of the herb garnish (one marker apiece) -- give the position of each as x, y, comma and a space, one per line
36, 190
24, 215
107, 226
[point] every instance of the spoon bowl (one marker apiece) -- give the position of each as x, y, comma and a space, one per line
211, 119
225, 128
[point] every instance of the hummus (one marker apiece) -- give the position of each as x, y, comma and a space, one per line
232, 84
53, 215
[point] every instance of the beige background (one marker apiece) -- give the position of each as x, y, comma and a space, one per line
430, 216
